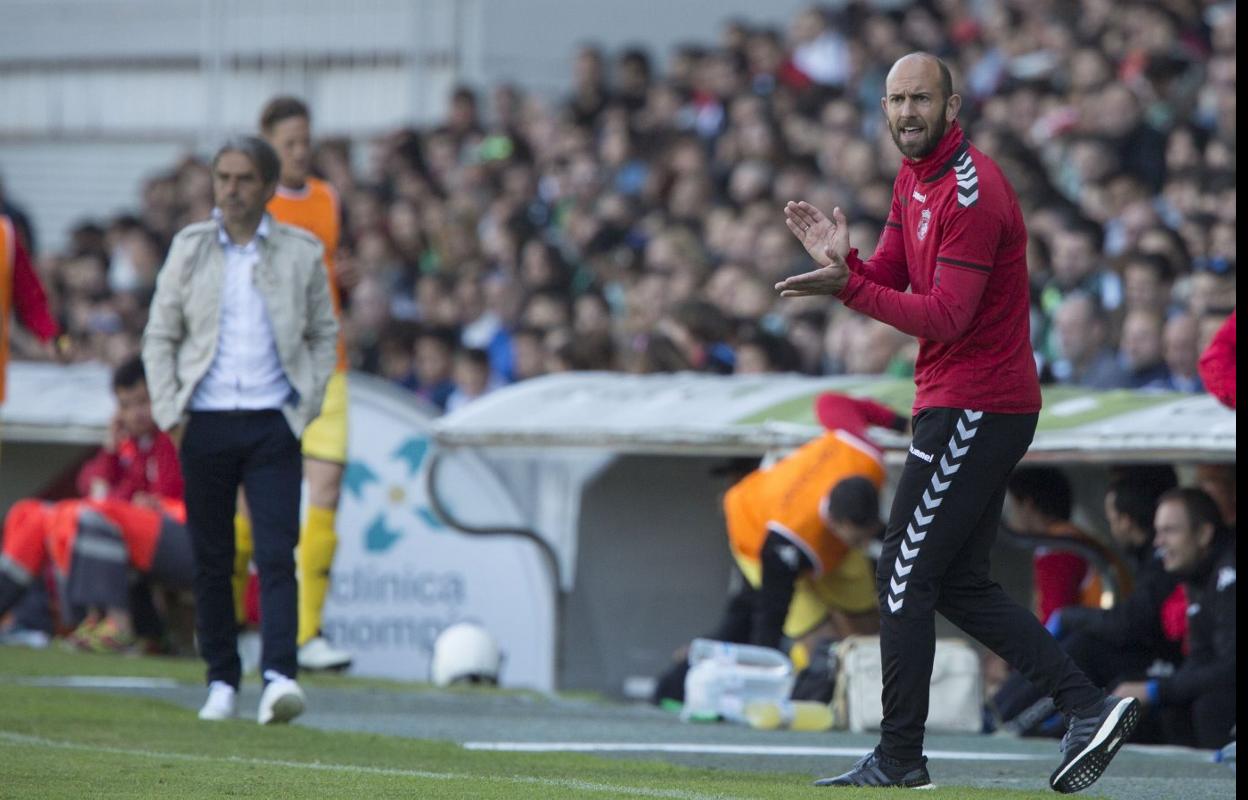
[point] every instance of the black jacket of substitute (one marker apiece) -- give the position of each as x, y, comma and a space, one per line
1136, 620
1210, 665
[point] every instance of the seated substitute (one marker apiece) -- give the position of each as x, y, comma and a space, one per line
1041, 505
1141, 632
797, 530
130, 521
1196, 704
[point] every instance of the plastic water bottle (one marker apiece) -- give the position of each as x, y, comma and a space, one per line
796, 715
723, 677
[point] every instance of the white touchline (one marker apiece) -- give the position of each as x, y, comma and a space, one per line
102, 682
563, 783
727, 749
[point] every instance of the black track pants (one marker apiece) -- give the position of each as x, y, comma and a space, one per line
940, 533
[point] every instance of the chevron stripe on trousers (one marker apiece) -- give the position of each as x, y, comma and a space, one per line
936, 557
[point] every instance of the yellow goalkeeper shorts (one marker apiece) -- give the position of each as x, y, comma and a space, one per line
850, 587
325, 438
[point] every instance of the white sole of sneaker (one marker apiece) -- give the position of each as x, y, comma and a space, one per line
285, 708
1086, 768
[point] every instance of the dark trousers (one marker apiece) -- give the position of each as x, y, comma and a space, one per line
1106, 664
1206, 722
940, 533
256, 450
99, 571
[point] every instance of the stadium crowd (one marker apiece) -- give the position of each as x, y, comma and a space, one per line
636, 225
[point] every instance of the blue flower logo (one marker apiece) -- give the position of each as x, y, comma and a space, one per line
391, 488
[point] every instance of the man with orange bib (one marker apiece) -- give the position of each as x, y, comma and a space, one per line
797, 530
312, 204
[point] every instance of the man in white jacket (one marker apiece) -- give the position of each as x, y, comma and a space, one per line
238, 349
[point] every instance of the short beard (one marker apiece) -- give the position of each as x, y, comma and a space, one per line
935, 134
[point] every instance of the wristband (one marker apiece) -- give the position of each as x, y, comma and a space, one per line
1154, 692
1054, 624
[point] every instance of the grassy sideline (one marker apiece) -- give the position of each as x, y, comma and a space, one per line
64, 743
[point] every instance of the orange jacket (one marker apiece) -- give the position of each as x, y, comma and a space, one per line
315, 209
790, 497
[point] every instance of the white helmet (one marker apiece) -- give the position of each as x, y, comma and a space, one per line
465, 652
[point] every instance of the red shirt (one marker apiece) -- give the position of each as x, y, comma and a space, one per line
148, 465
1217, 363
21, 292
955, 237
29, 300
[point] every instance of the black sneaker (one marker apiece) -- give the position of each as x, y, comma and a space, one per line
1091, 742
871, 771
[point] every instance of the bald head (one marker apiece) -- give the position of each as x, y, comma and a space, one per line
919, 103
925, 65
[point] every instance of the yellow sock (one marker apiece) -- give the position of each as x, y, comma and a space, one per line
243, 549
317, 542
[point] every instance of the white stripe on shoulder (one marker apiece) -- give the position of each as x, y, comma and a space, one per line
801, 543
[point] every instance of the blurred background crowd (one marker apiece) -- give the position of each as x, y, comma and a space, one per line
636, 224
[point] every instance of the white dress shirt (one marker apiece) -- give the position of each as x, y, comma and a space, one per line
246, 373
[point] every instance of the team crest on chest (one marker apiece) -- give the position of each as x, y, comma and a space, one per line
925, 220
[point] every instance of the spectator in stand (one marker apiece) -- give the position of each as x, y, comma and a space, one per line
396, 349
1196, 703
1208, 326
1211, 286
760, 352
434, 365
589, 93
1147, 283
1084, 356
1217, 363
820, 52
876, 348
1077, 268
528, 354
1180, 354
471, 373
1140, 351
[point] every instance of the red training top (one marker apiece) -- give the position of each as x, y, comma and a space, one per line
1217, 363
955, 236
149, 465
29, 300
